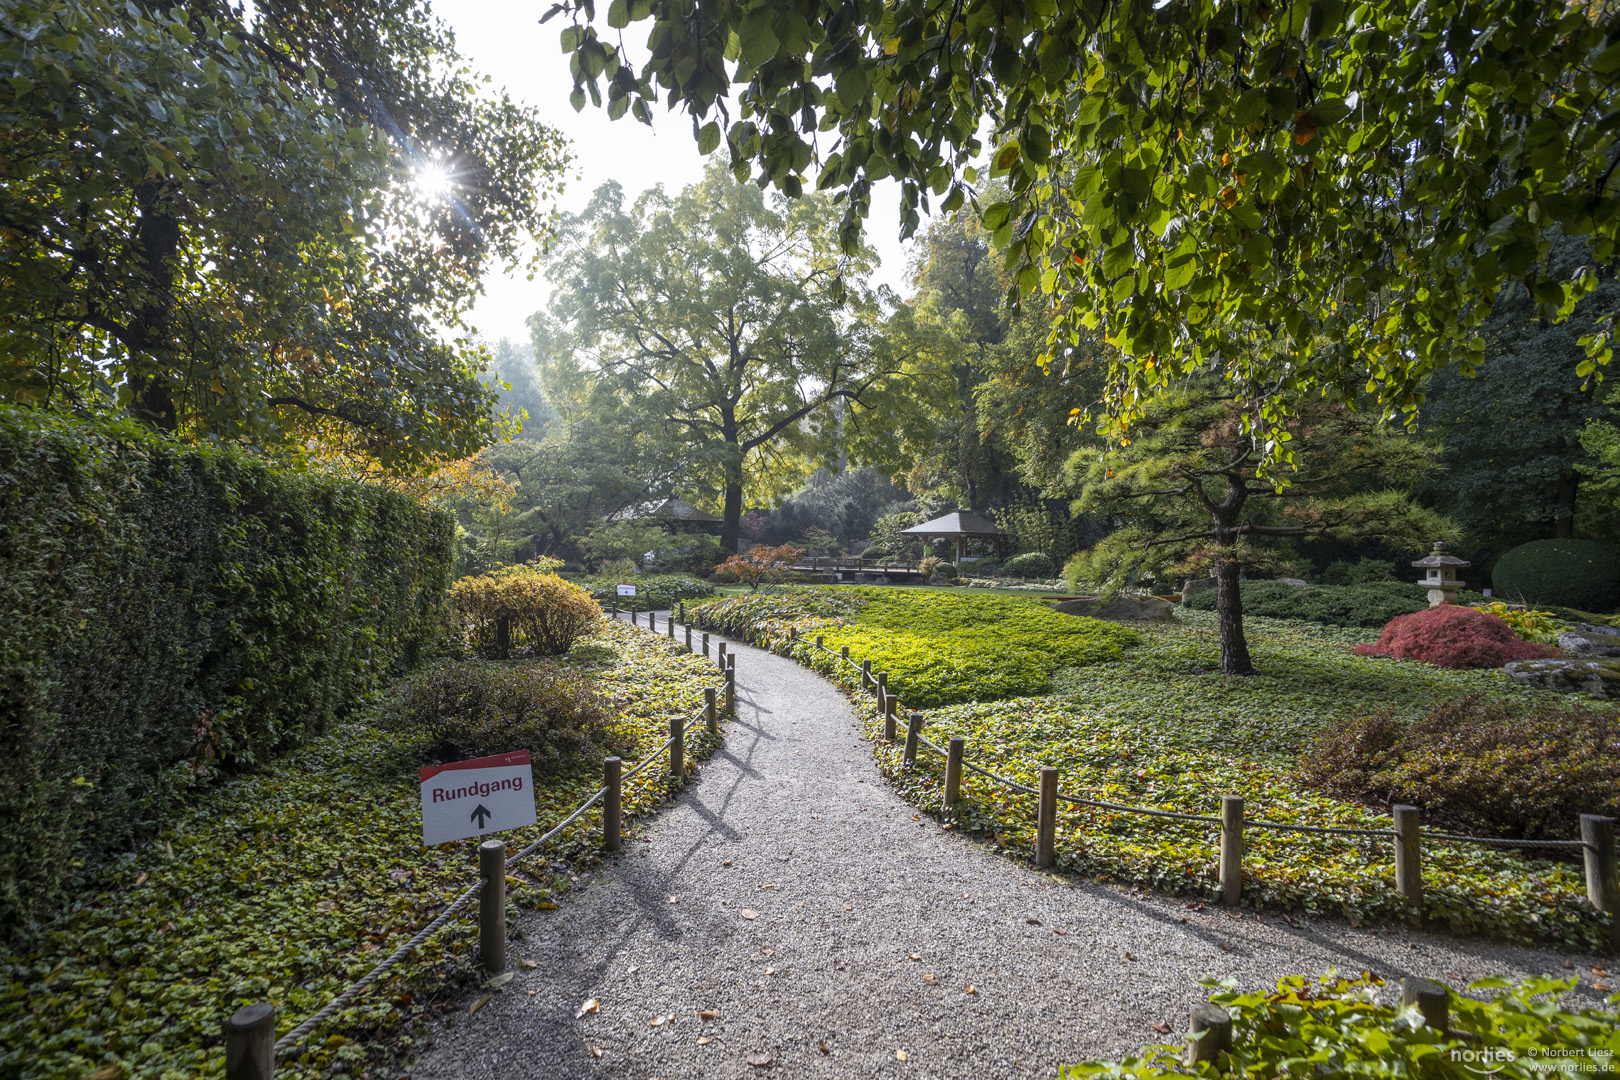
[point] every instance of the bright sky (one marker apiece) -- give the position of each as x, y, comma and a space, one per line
504, 39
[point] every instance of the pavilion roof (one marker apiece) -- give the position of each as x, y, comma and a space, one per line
958, 523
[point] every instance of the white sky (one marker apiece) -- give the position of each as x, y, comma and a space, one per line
504, 39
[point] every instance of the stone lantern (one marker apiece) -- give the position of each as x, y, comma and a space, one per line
1441, 575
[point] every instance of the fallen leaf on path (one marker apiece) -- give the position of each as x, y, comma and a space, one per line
1599, 970
914, 956
759, 1061
479, 1004
1225, 947
823, 1045
1162, 1028
930, 980
726, 863
750, 914
500, 980
703, 1040
839, 965
848, 908
770, 971
900, 1055
590, 1006
1569, 963
708, 1014
767, 886
660, 1021
1033, 922
633, 969
766, 952
783, 858
916, 817
674, 899
1055, 930
1604, 987
530, 964
1130, 956
970, 989
596, 1051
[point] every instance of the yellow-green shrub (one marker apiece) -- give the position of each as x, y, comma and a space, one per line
522, 605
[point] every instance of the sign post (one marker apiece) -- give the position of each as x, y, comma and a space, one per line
627, 590
471, 798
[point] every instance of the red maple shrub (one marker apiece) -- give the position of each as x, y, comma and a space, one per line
1453, 637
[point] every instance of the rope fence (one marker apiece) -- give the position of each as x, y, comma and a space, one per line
250, 1043
1597, 842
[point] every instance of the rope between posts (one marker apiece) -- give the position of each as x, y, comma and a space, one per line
1331, 829
293, 1037
1500, 842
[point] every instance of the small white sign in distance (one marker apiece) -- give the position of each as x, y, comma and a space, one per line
471, 798
627, 590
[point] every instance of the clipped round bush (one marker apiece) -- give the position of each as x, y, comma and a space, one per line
1454, 637
947, 571
1580, 574
1031, 564
519, 606
1517, 768
472, 708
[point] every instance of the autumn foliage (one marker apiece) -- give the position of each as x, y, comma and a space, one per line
523, 606
1453, 637
761, 564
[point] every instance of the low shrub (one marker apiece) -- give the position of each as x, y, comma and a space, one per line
692, 553
1522, 768
1369, 605
1031, 564
1453, 637
1543, 626
1579, 574
653, 591
1363, 572
929, 566
522, 606
1518, 1028
474, 708
947, 571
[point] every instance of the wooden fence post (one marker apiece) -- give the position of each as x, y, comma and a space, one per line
1209, 1033
891, 705
720, 655
1408, 857
1046, 819
953, 769
819, 639
1602, 877
705, 646
731, 690
1231, 850
683, 610
492, 906
844, 652
688, 637
709, 715
250, 1043
1432, 999
677, 749
615, 608
866, 674
612, 817
633, 621
671, 627
913, 733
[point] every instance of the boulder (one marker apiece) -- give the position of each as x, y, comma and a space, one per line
1588, 640
1193, 586
1121, 609
1594, 678
939, 579
1291, 581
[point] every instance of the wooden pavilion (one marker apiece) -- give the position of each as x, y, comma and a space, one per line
959, 525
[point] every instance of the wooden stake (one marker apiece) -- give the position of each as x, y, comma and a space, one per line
705, 646
1602, 878
913, 732
1408, 858
819, 639
1231, 850
250, 1043
1432, 999
688, 637
709, 713
1046, 819
731, 691
1209, 1033
953, 769
612, 818
492, 906
677, 749
866, 674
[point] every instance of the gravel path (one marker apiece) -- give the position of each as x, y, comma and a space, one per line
793, 894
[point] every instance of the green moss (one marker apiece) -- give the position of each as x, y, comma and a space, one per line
286, 885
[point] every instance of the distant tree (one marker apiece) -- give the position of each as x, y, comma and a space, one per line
1601, 441
727, 326
1187, 488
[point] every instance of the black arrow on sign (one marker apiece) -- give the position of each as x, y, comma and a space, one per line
480, 815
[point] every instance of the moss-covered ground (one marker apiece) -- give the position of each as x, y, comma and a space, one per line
287, 884
1147, 720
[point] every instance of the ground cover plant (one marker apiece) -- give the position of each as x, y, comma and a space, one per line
1159, 727
938, 648
1356, 1027
287, 884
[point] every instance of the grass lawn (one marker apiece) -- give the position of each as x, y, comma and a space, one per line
1146, 720
287, 884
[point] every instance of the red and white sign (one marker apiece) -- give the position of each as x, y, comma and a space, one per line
471, 798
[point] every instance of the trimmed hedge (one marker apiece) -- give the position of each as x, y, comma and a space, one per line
164, 609
1369, 605
1031, 564
1579, 574
653, 591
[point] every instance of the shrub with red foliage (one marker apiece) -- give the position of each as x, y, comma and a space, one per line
1454, 637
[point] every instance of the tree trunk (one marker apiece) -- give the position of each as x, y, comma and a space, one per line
157, 237
1565, 518
1229, 615
731, 516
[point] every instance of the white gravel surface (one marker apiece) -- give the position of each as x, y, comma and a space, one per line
792, 894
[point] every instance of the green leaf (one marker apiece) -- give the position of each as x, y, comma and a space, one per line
618, 14
708, 138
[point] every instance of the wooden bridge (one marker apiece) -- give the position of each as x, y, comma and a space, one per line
850, 568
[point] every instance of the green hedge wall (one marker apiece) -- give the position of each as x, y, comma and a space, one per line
162, 606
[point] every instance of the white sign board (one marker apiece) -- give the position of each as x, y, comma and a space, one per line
627, 590
470, 798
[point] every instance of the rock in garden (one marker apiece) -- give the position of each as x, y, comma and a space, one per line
1121, 609
1594, 678
1588, 640
1292, 581
1193, 586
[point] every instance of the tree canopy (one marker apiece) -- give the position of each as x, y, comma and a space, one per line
255, 227
1298, 198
